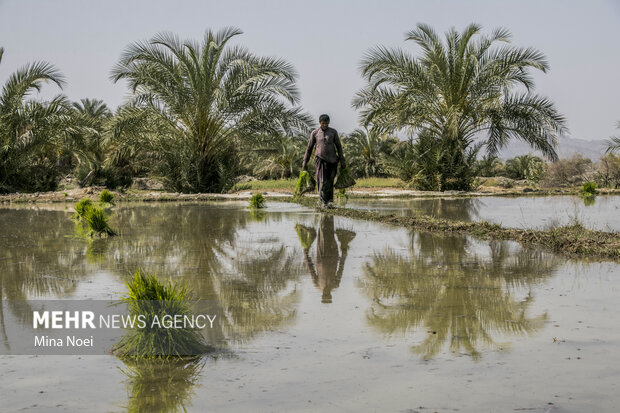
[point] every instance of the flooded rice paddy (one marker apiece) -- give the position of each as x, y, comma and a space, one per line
540, 212
322, 313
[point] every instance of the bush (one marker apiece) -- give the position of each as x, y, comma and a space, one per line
257, 201
106, 196
567, 172
607, 173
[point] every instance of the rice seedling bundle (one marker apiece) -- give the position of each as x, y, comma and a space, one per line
344, 179
305, 183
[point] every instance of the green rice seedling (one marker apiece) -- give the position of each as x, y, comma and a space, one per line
98, 222
106, 196
344, 179
305, 183
342, 197
82, 206
257, 201
588, 189
152, 299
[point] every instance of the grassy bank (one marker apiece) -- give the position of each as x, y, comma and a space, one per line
575, 239
289, 184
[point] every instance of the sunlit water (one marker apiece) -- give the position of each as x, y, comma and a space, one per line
319, 314
601, 212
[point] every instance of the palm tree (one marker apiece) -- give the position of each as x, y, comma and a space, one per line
30, 131
89, 148
458, 92
613, 144
367, 149
284, 157
202, 99
519, 166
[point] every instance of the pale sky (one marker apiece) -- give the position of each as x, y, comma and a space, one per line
325, 41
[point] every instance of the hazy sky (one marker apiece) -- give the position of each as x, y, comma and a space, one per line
325, 41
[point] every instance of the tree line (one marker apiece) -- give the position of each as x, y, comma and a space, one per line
200, 114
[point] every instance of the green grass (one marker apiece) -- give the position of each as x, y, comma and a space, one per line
379, 183
150, 298
290, 184
106, 196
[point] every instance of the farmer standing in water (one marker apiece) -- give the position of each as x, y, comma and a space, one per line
328, 153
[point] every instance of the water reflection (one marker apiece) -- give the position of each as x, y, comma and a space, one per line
462, 209
223, 254
330, 258
161, 386
463, 293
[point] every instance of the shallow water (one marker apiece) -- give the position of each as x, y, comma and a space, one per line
319, 314
601, 213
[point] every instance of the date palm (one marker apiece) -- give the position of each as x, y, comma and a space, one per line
367, 149
613, 144
202, 99
468, 88
30, 130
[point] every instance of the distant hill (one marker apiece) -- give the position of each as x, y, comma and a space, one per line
567, 147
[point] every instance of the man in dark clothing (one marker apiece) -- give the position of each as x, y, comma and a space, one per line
328, 153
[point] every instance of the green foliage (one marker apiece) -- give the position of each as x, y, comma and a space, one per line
152, 298
97, 221
452, 93
440, 167
275, 157
82, 206
31, 131
305, 183
488, 166
106, 196
202, 101
342, 197
257, 201
588, 189
613, 144
367, 152
520, 167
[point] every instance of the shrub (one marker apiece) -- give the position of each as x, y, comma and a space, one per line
106, 196
257, 201
607, 173
567, 172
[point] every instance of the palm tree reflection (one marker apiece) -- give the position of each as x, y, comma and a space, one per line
330, 259
462, 297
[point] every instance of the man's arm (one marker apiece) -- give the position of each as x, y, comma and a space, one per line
311, 143
339, 150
